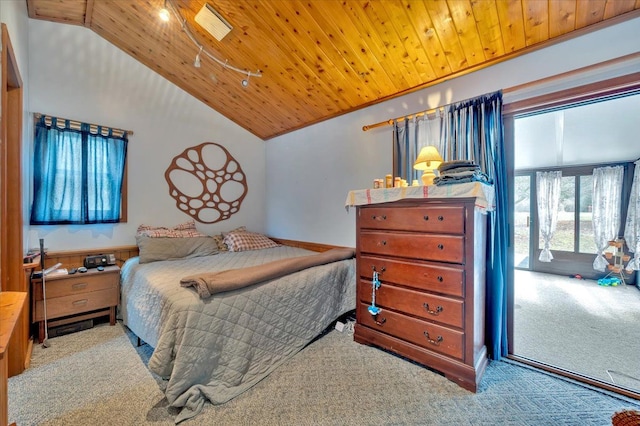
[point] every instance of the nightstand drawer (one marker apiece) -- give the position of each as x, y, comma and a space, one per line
430, 336
428, 306
75, 304
437, 278
419, 219
438, 247
74, 284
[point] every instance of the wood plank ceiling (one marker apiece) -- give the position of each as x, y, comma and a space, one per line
323, 58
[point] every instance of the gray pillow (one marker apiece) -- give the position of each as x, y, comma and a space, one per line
163, 248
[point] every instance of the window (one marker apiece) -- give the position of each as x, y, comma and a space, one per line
574, 230
79, 173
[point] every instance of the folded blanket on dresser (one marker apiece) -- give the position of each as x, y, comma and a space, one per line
207, 284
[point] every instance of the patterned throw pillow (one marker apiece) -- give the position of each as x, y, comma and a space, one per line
219, 239
183, 230
238, 229
245, 241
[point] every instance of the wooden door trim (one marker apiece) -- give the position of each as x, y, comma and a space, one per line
12, 274
11, 251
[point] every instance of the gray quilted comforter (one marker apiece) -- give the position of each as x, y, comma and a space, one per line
214, 349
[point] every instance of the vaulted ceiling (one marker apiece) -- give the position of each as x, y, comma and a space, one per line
322, 58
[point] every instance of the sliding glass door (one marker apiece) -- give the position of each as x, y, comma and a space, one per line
556, 321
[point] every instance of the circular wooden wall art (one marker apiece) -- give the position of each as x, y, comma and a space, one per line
207, 183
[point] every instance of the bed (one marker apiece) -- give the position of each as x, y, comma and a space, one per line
215, 348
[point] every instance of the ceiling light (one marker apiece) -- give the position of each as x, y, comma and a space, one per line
164, 13
196, 63
245, 82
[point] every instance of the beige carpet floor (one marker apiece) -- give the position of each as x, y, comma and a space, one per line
99, 377
579, 326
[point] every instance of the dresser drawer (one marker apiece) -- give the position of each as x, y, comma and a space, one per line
425, 305
435, 278
76, 303
430, 336
74, 284
445, 219
438, 247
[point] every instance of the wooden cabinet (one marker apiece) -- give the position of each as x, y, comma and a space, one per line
21, 345
430, 259
77, 297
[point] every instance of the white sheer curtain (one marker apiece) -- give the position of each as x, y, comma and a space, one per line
429, 131
632, 227
548, 190
607, 198
409, 137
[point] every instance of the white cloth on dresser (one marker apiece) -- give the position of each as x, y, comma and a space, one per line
483, 193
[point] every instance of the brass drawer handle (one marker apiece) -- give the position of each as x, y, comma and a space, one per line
382, 269
382, 321
79, 286
431, 311
441, 246
383, 217
80, 302
435, 342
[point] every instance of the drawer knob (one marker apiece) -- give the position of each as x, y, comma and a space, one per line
426, 217
440, 279
382, 269
435, 342
440, 218
431, 311
379, 217
383, 242
441, 246
381, 322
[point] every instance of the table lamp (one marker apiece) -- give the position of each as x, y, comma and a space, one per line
428, 160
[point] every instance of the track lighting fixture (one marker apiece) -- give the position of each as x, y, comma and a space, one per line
196, 63
171, 8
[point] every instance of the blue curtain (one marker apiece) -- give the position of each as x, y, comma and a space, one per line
473, 130
402, 166
77, 174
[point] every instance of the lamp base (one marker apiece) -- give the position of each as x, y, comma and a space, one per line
427, 178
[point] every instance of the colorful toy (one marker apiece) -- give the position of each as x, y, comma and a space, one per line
611, 281
375, 284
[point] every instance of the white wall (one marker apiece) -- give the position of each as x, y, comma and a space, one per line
76, 74
310, 171
14, 15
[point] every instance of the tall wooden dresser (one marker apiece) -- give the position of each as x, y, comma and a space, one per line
429, 256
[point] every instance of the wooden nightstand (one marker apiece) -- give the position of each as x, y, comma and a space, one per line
77, 297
